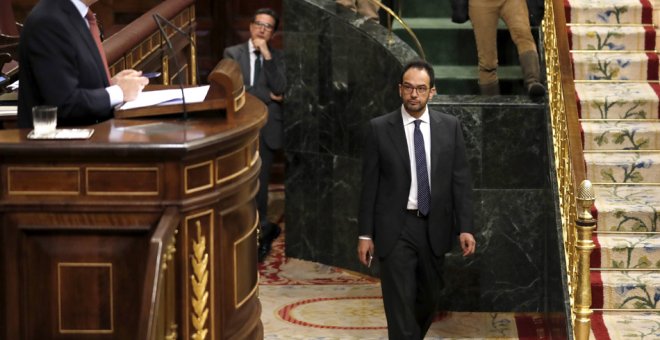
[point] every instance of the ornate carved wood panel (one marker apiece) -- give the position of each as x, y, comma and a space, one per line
78, 273
78, 221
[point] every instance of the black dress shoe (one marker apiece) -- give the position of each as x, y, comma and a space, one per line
262, 251
269, 233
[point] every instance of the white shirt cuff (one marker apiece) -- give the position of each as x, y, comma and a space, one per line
364, 237
116, 95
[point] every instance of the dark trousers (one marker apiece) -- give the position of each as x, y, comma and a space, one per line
411, 281
267, 154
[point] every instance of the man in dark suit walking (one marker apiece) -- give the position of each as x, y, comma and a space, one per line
416, 192
263, 75
62, 63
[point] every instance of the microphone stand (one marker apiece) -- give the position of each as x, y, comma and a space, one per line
157, 19
184, 34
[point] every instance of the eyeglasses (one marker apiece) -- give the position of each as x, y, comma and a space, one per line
266, 26
408, 89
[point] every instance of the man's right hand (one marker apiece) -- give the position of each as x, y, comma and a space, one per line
365, 251
262, 46
130, 82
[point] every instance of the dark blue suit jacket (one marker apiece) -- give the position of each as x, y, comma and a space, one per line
386, 182
60, 65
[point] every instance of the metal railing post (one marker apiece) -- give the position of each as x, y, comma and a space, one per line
585, 225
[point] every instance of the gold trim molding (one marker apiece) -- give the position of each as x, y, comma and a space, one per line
42, 170
60, 265
255, 155
238, 304
239, 101
199, 282
219, 180
200, 256
168, 257
188, 168
122, 193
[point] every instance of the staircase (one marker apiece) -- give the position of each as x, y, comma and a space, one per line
613, 46
451, 48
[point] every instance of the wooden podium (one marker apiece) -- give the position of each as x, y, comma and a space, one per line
226, 92
148, 230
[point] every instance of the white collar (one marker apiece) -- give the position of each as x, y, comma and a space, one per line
408, 119
251, 46
81, 7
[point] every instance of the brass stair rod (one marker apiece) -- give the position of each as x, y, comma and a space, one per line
585, 225
405, 26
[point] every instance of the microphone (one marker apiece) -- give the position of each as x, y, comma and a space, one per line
181, 32
170, 48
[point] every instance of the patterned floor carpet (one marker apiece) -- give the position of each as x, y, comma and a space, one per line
307, 300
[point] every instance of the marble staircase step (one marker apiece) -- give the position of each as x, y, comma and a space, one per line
453, 79
632, 251
628, 208
607, 135
471, 72
441, 39
623, 167
625, 289
617, 100
613, 38
625, 65
608, 12
424, 8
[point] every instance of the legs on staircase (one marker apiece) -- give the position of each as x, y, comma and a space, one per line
529, 62
484, 15
492, 89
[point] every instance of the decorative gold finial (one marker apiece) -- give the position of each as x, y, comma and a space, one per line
585, 199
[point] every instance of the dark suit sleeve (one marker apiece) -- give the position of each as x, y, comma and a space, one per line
227, 53
62, 76
462, 184
370, 179
274, 70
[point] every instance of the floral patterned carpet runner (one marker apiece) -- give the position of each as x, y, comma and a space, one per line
613, 47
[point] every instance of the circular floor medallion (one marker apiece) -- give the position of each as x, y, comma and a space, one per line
359, 313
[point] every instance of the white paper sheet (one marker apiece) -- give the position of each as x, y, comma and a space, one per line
166, 97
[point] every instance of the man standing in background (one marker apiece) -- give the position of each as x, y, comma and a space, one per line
263, 75
416, 197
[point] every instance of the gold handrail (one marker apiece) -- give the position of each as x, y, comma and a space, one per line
405, 26
563, 165
567, 145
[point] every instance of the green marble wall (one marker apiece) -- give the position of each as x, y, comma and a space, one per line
341, 74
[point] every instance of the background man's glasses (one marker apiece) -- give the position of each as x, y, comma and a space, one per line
408, 89
266, 26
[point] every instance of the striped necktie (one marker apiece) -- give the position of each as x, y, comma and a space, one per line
96, 34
